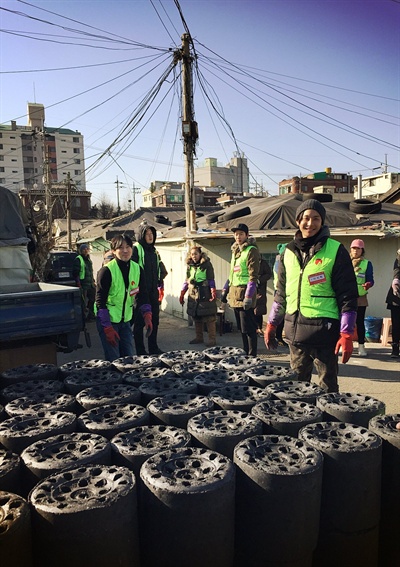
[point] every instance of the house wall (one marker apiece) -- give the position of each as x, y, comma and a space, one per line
381, 252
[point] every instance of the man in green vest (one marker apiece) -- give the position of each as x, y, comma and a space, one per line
120, 286
317, 296
240, 290
82, 272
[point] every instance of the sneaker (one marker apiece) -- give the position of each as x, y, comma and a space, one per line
361, 351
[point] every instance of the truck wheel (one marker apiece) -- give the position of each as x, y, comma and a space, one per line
238, 397
222, 430
112, 419
183, 484
15, 530
92, 506
278, 478
350, 408
177, 409
217, 353
104, 394
131, 448
285, 417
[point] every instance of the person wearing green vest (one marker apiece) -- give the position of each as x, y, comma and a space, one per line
82, 272
364, 273
148, 258
121, 286
202, 304
240, 290
317, 296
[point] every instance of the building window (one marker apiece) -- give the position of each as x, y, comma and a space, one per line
1, 146
14, 171
2, 180
63, 151
77, 151
77, 161
76, 140
77, 172
76, 201
1, 169
27, 159
1, 158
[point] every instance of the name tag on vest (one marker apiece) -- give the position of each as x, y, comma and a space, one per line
317, 278
236, 268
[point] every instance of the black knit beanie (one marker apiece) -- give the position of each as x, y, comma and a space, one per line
311, 204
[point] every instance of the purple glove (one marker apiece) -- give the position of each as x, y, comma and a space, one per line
276, 314
348, 322
251, 289
104, 316
224, 293
396, 287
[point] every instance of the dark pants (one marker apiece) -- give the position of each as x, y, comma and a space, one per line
138, 326
88, 298
247, 324
124, 346
395, 316
325, 360
361, 324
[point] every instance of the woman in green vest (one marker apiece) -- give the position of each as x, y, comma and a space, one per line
364, 273
202, 304
317, 295
119, 289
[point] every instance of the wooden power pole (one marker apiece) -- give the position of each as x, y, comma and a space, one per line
68, 207
189, 132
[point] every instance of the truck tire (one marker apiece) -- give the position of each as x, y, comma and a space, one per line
213, 217
365, 206
177, 409
231, 215
178, 223
321, 197
92, 506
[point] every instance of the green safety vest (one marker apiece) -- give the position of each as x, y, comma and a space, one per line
197, 274
141, 257
309, 290
82, 272
120, 299
239, 274
360, 276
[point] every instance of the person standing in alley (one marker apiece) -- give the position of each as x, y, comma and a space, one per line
317, 295
240, 290
121, 284
393, 304
364, 273
148, 258
82, 272
202, 296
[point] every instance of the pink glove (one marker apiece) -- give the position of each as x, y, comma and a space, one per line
270, 337
213, 294
346, 344
367, 285
111, 335
147, 317
182, 297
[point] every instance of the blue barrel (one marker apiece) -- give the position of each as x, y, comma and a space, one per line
373, 328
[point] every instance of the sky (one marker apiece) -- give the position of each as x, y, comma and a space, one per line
296, 86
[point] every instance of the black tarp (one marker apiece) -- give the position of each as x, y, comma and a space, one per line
12, 228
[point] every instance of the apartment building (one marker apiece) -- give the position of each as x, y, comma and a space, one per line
320, 182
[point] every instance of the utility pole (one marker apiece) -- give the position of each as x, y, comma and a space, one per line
68, 207
189, 131
135, 190
118, 184
47, 184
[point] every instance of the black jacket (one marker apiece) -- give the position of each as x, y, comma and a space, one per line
391, 299
320, 331
154, 268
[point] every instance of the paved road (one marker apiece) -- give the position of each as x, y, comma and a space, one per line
378, 375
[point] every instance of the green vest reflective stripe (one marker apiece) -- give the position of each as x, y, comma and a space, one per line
82, 272
141, 258
310, 290
239, 274
360, 276
197, 274
120, 300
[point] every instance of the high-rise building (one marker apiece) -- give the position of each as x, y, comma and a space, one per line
35, 156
